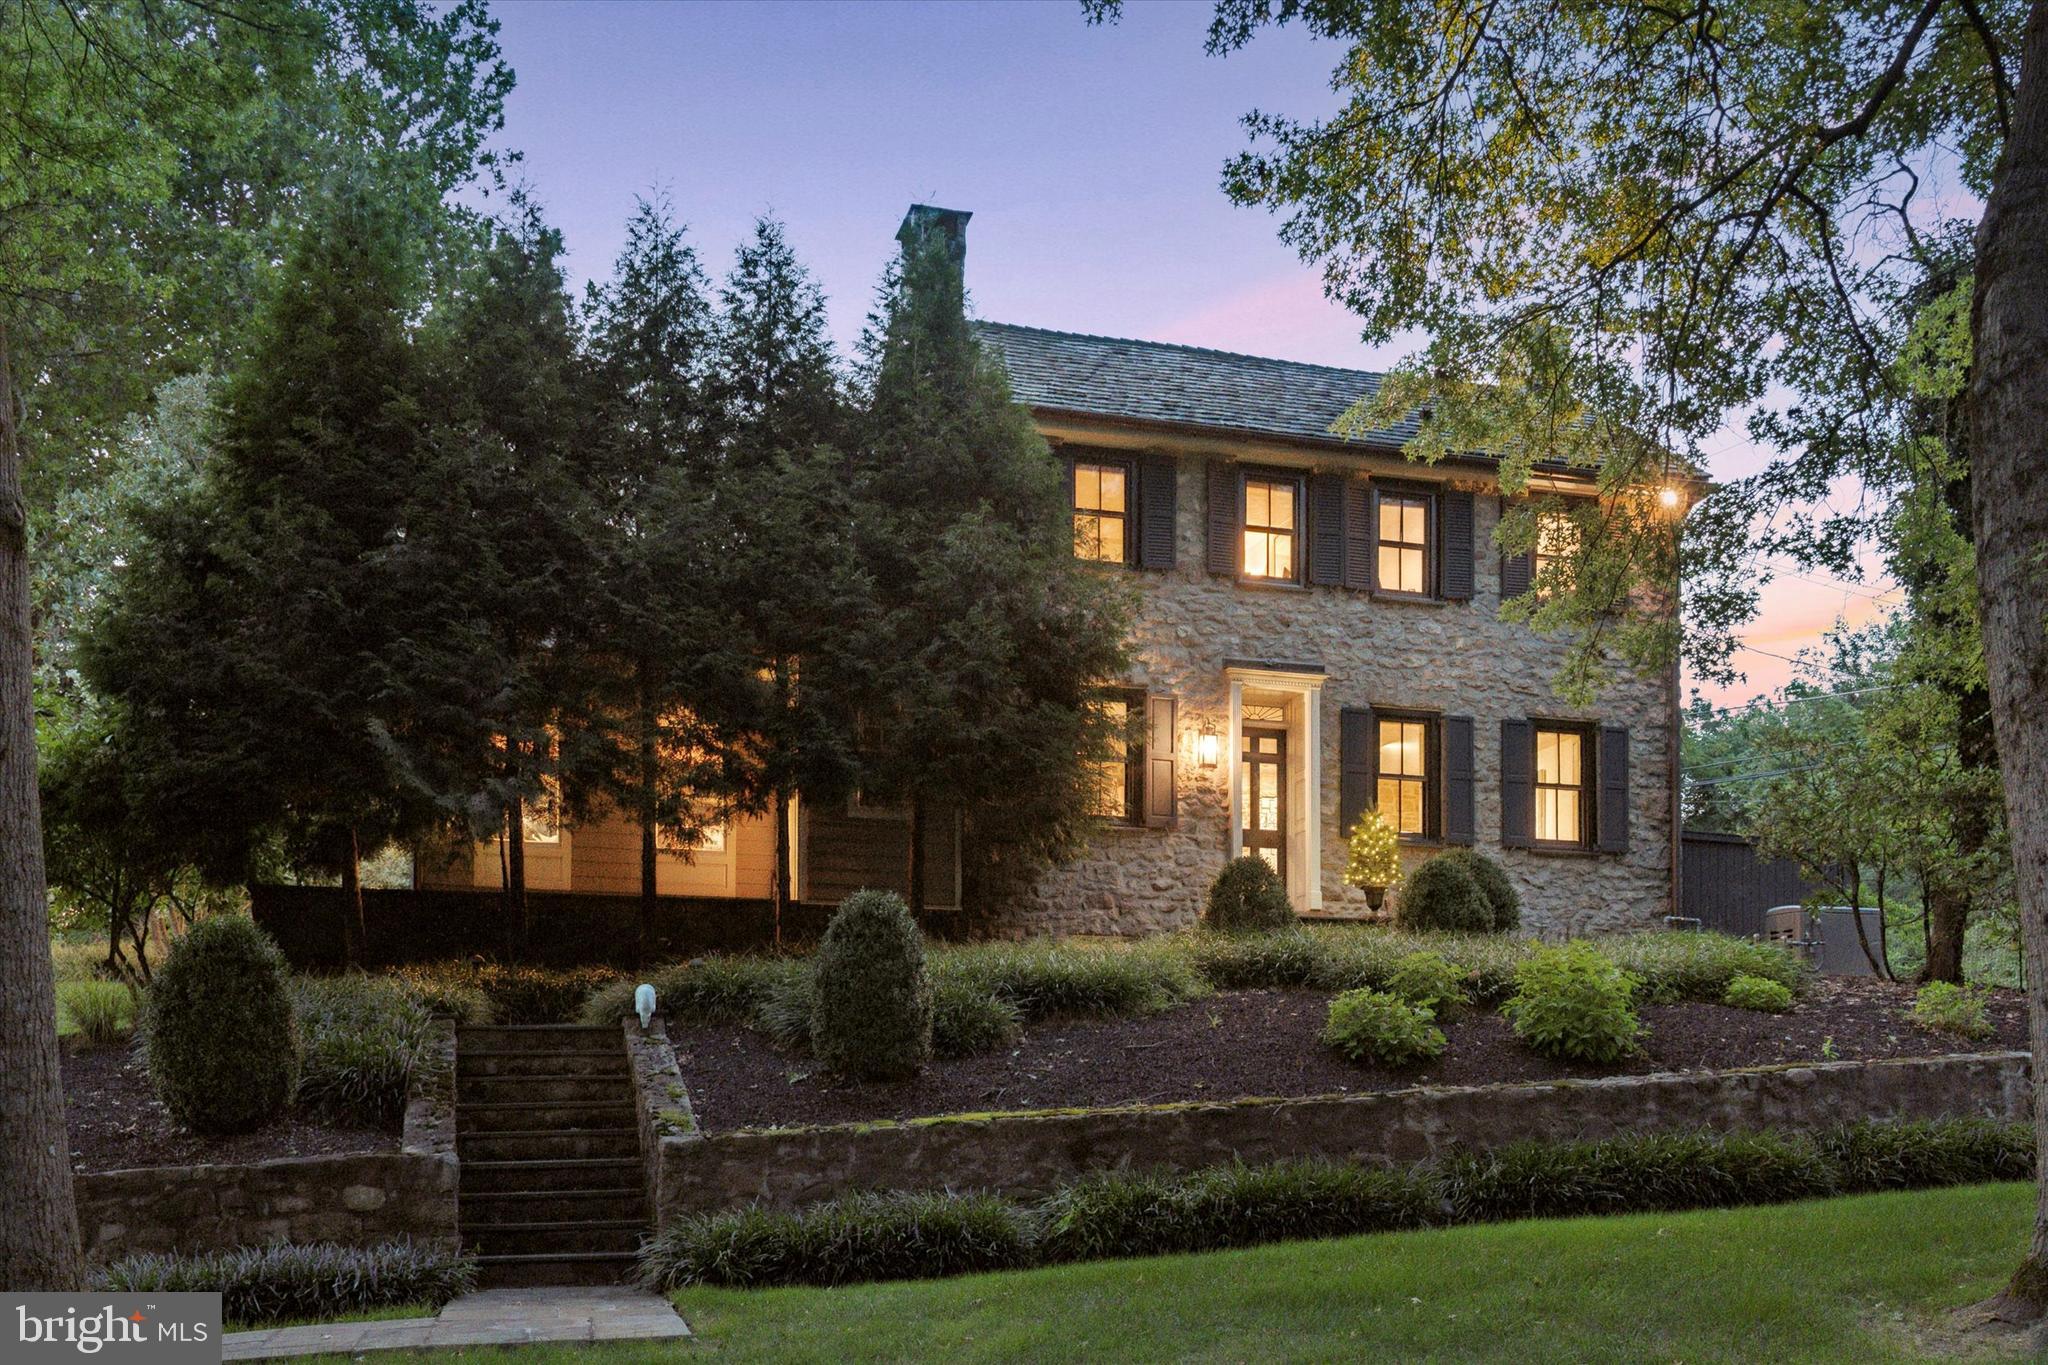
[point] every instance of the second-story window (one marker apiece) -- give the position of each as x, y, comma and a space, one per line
1270, 522
1404, 543
1101, 512
1557, 544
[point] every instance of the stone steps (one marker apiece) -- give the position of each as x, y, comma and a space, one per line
547, 1129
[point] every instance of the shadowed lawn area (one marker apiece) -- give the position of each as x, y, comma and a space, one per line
1853, 1280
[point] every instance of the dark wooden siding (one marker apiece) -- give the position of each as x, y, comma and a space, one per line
843, 853
1727, 886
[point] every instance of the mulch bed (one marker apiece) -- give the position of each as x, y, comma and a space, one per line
116, 1122
1244, 1044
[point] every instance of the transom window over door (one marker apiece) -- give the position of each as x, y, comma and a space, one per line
1271, 516
1404, 542
1407, 777
1102, 512
1563, 803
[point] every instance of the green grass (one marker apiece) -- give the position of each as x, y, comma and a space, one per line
1853, 1280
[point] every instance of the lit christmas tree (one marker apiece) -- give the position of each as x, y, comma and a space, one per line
1375, 857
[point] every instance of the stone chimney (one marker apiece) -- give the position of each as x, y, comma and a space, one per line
951, 224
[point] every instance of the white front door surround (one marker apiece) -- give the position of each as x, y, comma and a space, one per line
1295, 693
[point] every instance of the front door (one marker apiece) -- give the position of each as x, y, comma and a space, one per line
1264, 785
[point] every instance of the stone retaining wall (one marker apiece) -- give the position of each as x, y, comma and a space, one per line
662, 1102
359, 1199
1035, 1152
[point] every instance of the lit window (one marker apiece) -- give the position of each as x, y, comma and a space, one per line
1269, 528
1109, 780
1405, 779
1404, 542
541, 817
1101, 512
1562, 801
1557, 544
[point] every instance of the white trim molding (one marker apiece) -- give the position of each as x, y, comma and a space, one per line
1302, 685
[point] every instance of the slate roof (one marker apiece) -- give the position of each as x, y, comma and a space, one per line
1155, 381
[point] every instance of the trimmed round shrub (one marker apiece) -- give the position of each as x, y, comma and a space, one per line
222, 1046
872, 1015
1427, 980
1378, 1026
1758, 993
1573, 1003
1444, 895
1248, 897
1501, 897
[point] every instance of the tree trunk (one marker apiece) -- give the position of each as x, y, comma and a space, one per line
515, 875
643, 942
915, 870
38, 1220
2009, 489
1946, 916
354, 932
780, 893
1877, 968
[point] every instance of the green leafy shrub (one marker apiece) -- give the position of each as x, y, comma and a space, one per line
723, 988
1924, 1155
223, 1051
1375, 1026
1121, 1214
262, 1285
1758, 993
100, 1012
1443, 895
1428, 981
1248, 897
1494, 884
872, 1019
363, 1039
968, 1022
1945, 1007
1653, 1172
1045, 979
1572, 1003
1682, 966
852, 1240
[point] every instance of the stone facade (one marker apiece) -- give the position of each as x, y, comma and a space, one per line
1450, 657
1033, 1153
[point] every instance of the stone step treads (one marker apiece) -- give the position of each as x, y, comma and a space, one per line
551, 1087
556, 1238
538, 1038
555, 1206
491, 1063
538, 1114
595, 1267
549, 1176
548, 1144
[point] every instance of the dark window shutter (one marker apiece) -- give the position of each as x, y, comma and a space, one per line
1456, 577
1224, 517
1326, 529
1355, 763
1358, 536
1156, 497
1162, 752
1515, 570
1517, 783
1612, 772
1460, 805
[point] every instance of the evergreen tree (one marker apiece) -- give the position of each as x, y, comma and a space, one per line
243, 649
988, 637
647, 463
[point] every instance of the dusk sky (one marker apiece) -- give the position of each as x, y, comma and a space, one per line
1090, 158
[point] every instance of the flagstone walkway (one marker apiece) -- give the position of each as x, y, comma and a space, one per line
493, 1317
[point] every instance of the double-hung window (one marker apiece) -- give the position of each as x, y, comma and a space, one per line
1272, 521
1405, 553
1102, 511
1407, 774
1564, 795
1557, 544
1115, 782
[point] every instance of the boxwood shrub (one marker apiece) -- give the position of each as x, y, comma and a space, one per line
1248, 897
871, 1016
320, 1281
218, 1031
1493, 881
1443, 895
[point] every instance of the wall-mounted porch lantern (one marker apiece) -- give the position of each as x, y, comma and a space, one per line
1208, 749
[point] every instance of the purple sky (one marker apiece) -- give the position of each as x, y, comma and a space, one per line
1090, 158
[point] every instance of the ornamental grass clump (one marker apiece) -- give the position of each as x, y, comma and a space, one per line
1637, 1173
1871, 1156
872, 1016
1248, 897
1376, 1026
1945, 1007
1572, 1003
1045, 979
363, 1039
1443, 895
1758, 993
218, 1032
1428, 981
320, 1281
1699, 966
720, 988
1240, 962
102, 1012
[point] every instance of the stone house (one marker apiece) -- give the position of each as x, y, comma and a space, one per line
1319, 632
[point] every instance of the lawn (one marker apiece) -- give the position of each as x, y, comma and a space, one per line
1853, 1280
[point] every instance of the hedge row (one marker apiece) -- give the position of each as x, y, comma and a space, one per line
262, 1285
923, 1236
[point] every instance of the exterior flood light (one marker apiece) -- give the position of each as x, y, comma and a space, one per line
1669, 497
